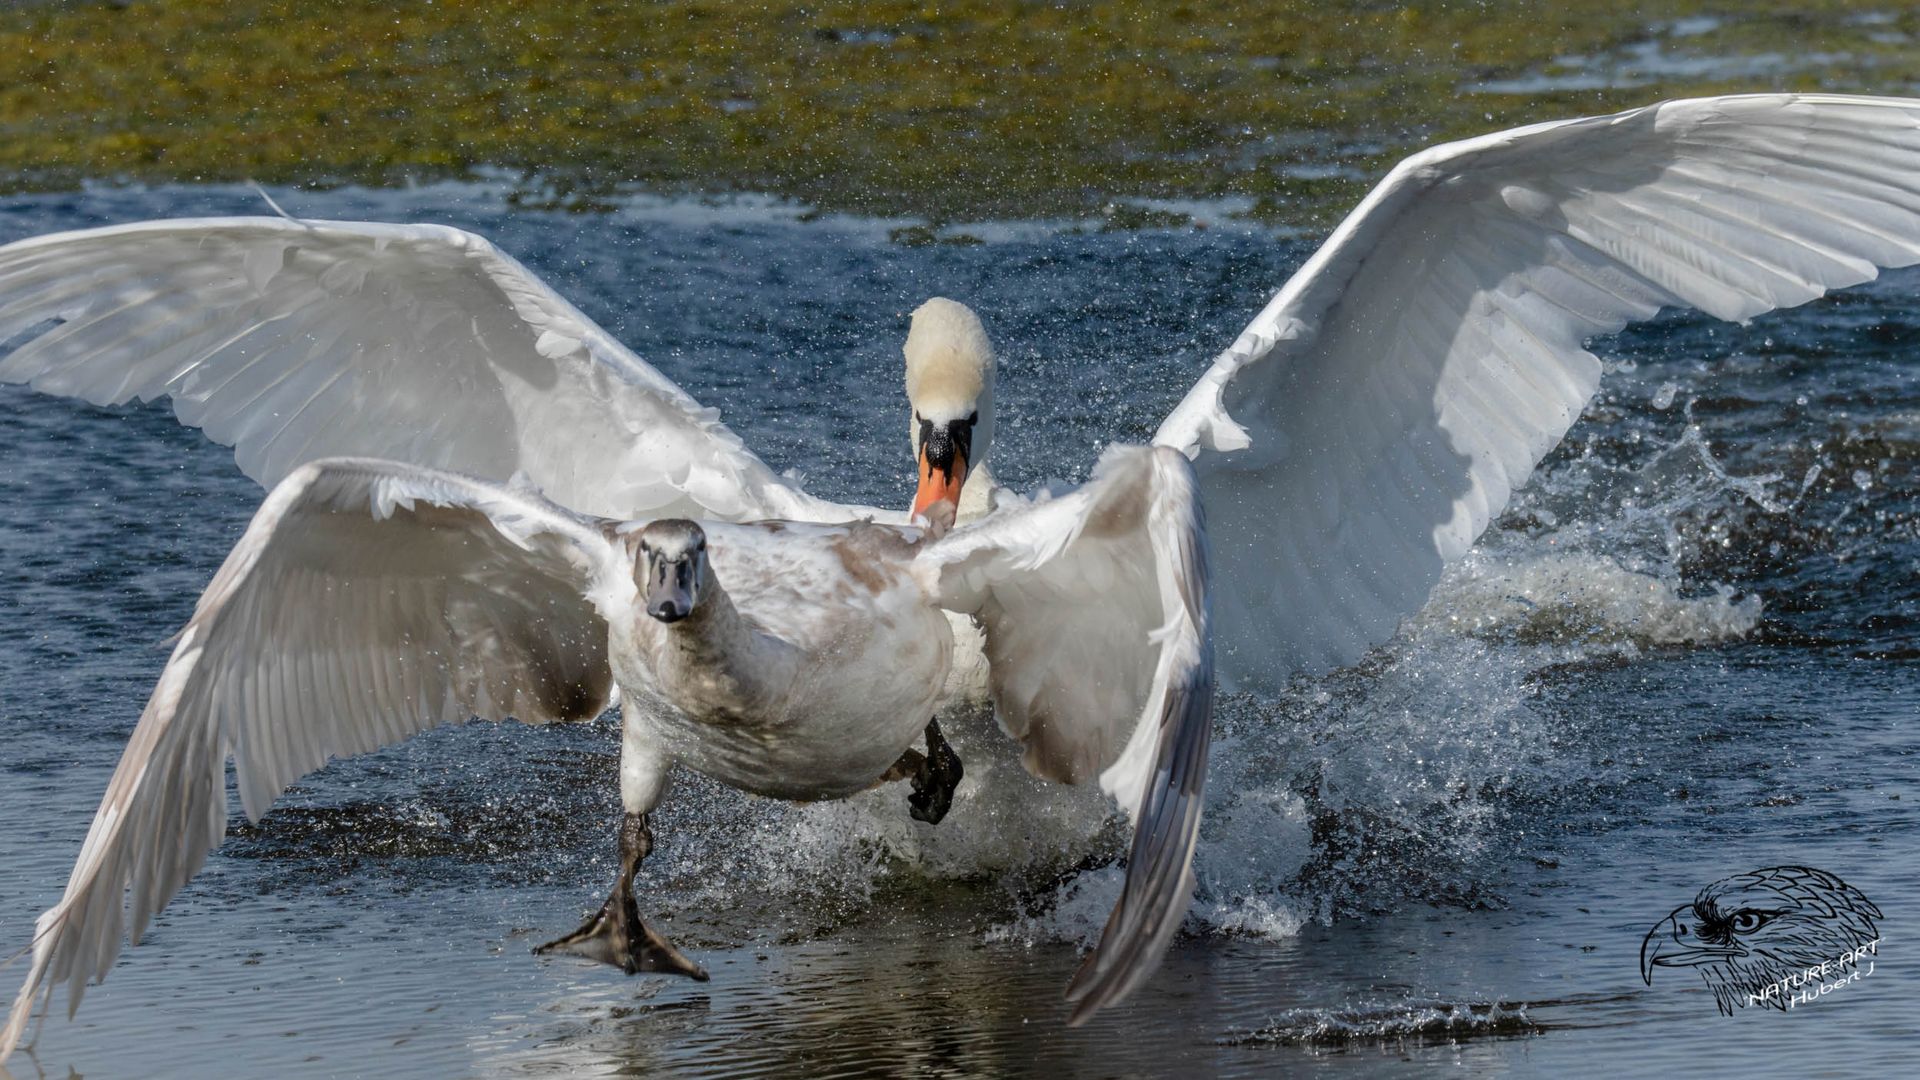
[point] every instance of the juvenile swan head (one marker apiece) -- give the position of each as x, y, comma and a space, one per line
672, 568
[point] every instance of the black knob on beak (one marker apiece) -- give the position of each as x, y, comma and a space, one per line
939, 448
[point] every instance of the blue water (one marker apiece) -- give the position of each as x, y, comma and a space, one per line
1688, 651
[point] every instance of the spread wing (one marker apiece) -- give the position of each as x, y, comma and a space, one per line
1381, 410
296, 340
1095, 610
367, 601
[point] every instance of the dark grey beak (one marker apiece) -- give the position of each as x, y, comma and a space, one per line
670, 591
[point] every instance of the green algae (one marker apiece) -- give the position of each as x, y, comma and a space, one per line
947, 112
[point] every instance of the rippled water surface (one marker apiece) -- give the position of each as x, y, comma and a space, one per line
1688, 651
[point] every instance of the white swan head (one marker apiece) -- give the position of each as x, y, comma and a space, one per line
672, 571
950, 366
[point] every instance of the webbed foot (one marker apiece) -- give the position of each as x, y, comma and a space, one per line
616, 934
936, 778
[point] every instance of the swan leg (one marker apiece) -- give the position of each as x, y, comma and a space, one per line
911, 764
935, 778
616, 934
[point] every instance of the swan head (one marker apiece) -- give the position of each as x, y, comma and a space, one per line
950, 366
672, 569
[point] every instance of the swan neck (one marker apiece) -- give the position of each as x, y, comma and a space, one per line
976, 495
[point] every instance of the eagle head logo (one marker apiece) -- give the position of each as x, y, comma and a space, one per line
1752, 931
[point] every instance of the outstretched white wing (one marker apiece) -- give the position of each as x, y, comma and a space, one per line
293, 341
1380, 411
367, 601
1094, 606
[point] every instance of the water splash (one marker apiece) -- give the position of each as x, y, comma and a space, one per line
1577, 598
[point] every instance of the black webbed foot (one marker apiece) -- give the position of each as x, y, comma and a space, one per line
936, 778
616, 934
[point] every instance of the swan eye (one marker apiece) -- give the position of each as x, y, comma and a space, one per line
973, 417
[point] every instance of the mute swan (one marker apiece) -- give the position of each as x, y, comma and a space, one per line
950, 372
1359, 434
801, 677
371, 600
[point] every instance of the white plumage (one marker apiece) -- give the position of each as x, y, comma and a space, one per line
1362, 431
1380, 411
293, 341
362, 605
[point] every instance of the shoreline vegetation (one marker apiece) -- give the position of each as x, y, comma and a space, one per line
950, 112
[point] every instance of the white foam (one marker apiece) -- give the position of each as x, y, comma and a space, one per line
1576, 597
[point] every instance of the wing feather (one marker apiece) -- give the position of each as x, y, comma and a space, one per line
294, 340
1379, 413
366, 601
1095, 610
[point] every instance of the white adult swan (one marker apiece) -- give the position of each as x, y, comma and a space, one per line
1358, 434
371, 600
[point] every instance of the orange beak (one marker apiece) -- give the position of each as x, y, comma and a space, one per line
939, 485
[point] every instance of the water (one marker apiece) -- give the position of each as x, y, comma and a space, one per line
1688, 651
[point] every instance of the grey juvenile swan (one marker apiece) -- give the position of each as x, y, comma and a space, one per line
370, 600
